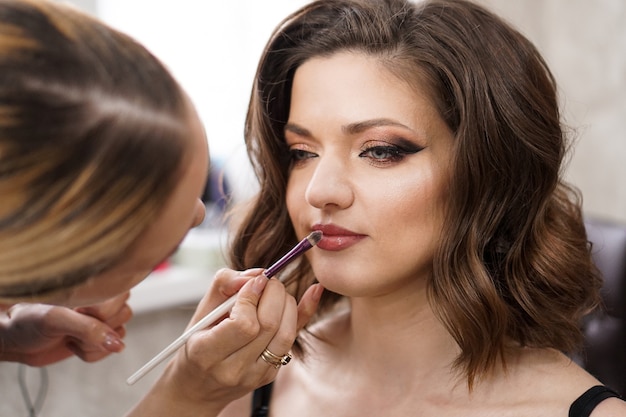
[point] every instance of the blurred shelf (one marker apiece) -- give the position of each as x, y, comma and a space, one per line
171, 287
188, 276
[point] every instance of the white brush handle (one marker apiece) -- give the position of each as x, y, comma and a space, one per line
206, 321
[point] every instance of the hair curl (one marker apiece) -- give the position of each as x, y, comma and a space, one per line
514, 267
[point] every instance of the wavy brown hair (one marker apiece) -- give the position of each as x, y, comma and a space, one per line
92, 138
514, 266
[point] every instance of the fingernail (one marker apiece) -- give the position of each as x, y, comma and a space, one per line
258, 284
251, 272
113, 343
318, 291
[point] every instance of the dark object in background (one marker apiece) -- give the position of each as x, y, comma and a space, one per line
604, 355
217, 189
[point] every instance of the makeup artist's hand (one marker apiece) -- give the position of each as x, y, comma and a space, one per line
221, 364
41, 334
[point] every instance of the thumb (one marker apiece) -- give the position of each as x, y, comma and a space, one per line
308, 304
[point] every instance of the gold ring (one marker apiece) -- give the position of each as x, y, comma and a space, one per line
275, 360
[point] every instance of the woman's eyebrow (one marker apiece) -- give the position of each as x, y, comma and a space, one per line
298, 130
352, 128
359, 127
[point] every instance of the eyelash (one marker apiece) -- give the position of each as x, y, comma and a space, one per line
392, 154
298, 156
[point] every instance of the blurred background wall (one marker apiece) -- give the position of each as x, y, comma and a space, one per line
584, 43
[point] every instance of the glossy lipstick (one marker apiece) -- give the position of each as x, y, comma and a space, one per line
336, 238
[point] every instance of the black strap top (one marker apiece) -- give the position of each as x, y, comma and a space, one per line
582, 407
261, 401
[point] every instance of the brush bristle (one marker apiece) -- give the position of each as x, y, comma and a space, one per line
315, 237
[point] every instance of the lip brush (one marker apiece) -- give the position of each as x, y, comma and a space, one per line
305, 244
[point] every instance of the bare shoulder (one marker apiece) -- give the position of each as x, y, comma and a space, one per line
543, 379
611, 407
570, 381
238, 408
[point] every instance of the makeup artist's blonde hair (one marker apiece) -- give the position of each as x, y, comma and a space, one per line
92, 138
514, 267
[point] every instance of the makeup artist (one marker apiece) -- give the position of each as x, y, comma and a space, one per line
424, 139
102, 162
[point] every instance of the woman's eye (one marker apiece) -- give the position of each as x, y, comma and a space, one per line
384, 153
299, 155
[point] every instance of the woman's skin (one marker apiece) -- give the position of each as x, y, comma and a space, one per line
370, 167
370, 171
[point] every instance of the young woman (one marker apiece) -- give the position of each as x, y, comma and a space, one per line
102, 162
424, 140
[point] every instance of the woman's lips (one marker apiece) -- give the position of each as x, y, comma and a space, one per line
336, 238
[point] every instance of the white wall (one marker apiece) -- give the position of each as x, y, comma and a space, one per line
212, 47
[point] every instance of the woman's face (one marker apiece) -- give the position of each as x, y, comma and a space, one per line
182, 211
370, 165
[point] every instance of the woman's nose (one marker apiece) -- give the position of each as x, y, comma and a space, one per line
329, 185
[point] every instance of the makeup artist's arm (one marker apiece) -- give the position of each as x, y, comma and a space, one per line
41, 334
221, 364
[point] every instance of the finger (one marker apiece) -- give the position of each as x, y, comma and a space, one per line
121, 331
283, 339
225, 284
106, 309
269, 314
308, 304
74, 347
271, 307
89, 352
239, 329
228, 282
88, 332
86, 355
121, 317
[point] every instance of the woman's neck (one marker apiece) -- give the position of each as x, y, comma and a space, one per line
393, 336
